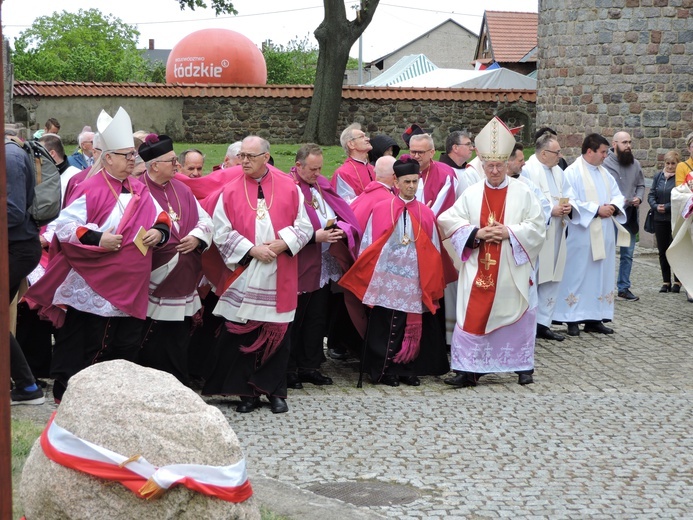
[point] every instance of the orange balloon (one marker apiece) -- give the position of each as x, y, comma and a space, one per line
216, 56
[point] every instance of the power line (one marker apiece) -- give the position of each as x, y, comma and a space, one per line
188, 20
431, 10
277, 12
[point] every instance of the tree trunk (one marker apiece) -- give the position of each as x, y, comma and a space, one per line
336, 35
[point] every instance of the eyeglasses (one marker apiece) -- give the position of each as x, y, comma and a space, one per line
419, 152
551, 151
495, 168
128, 156
173, 161
466, 144
364, 136
243, 156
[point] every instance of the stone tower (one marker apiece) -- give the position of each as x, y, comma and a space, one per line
610, 65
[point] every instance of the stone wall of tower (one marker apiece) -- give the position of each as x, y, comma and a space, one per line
610, 65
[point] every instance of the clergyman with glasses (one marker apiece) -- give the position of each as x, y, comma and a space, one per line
497, 228
95, 289
438, 181
459, 149
543, 170
176, 266
260, 224
352, 177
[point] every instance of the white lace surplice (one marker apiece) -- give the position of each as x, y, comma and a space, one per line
253, 295
74, 291
395, 283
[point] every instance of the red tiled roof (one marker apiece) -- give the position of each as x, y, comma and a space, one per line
159, 90
512, 35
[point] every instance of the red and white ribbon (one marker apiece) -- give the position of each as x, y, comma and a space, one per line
228, 483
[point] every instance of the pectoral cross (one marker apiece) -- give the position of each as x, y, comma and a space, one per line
488, 261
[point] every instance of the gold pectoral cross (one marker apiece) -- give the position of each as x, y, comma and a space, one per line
488, 261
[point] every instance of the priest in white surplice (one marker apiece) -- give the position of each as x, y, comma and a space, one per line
543, 170
497, 228
586, 293
680, 251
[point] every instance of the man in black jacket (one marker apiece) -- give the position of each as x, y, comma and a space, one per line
24, 253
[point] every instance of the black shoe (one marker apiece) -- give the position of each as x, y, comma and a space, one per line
666, 288
389, 380
410, 380
598, 328
627, 295
544, 332
676, 288
461, 379
314, 377
278, 404
573, 329
248, 404
293, 381
525, 379
339, 355
18, 396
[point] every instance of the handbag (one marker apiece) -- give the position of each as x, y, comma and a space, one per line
649, 221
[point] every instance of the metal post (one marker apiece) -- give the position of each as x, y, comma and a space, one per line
5, 438
361, 60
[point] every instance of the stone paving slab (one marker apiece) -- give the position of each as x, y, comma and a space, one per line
605, 432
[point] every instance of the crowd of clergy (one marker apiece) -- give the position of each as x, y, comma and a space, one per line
245, 279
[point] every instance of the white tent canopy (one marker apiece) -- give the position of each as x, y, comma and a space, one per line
503, 79
416, 70
405, 68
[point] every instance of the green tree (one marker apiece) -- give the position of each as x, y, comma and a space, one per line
336, 35
82, 46
219, 6
293, 64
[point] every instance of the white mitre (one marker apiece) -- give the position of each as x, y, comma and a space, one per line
495, 142
116, 131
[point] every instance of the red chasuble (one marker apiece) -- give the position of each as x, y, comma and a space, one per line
484, 288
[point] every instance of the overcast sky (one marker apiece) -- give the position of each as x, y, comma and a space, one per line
395, 23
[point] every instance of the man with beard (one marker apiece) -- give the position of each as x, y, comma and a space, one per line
628, 174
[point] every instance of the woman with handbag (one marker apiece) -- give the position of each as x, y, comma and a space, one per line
660, 212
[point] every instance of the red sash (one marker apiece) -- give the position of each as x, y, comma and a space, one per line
484, 287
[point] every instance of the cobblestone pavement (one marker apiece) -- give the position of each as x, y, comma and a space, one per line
605, 432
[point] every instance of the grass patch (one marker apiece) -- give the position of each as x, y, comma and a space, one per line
284, 155
266, 514
23, 436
